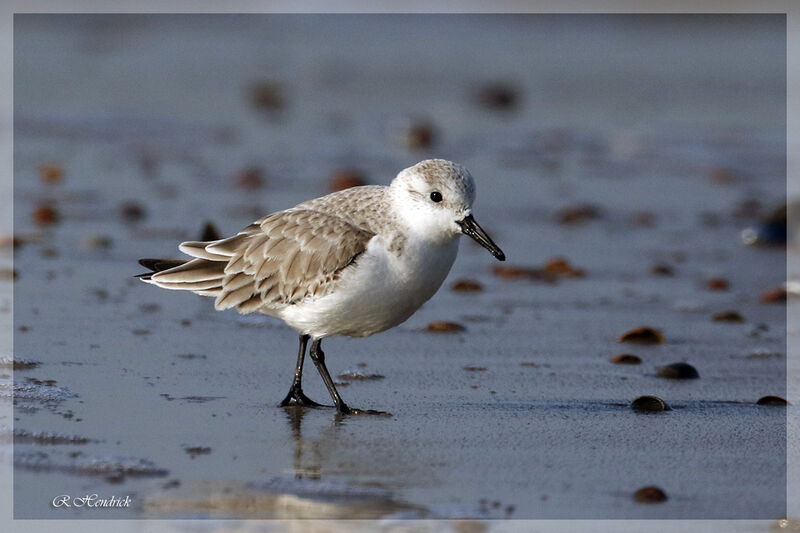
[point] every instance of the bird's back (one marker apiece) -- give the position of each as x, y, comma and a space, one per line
366, 207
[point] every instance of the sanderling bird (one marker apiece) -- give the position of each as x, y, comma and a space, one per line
355, 262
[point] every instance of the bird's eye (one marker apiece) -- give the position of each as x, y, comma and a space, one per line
436, 196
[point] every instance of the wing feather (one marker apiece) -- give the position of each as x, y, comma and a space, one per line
289, 256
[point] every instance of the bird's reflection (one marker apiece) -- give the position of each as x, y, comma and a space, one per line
308, 454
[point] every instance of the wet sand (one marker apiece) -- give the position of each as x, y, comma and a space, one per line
641, 176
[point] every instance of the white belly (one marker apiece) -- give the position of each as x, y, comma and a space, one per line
380, 292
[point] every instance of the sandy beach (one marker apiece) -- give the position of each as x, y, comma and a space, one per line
618, 161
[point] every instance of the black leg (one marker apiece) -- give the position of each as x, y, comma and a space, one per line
296, 396
318, 356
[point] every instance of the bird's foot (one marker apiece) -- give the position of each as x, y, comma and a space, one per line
296, 397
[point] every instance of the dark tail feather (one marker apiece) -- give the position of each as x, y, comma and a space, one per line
157, 265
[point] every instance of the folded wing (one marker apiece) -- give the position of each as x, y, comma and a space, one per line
279, 260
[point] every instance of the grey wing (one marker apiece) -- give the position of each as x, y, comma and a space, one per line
279, 260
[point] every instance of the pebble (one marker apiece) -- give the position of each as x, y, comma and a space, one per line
678, 371
577, 214
419, 135
445, 327
662, 270
51, 173
626, 359
559, 266
132, 211
250, 178
650, 495
45, 215
267, 96
771, 231
518, 272
649, 404
475, 368
498, 96
774, 296
717, 284
466, 285
643, 335
728, 316
772, 400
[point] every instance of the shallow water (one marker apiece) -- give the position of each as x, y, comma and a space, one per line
663, 125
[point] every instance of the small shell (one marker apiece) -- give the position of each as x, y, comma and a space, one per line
626, 359
577, 214
728, 316
466, 285
643, 335
662, 270
772, 400
678, 371
51, 172
717, 284
650, 495
774, 296
649, 404
45, 215
442, 326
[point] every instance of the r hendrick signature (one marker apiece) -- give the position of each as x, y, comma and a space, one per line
91, 501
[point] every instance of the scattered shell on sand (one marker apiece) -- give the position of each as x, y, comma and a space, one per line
662, 270
772, 400
132, 211
250, 178
419, 135
442, 326
577, 214
45, 215
267, 96
498, 96
358, 375
643, 335
51, 173
717, 284
345, 179
678, 371
626, 359
650, 495
466, 285
649, 404
728, 316
774, 296
560, 266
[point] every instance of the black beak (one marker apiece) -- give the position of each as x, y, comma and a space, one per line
471, 228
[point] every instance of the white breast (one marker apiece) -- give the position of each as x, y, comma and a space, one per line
380, 291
